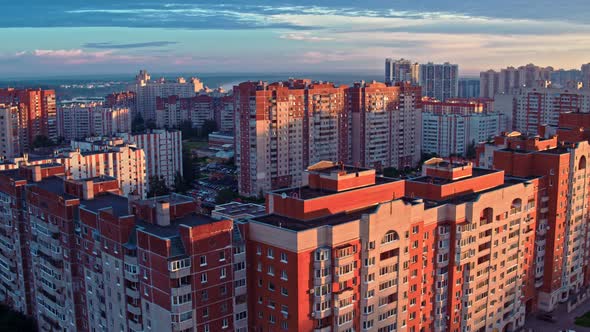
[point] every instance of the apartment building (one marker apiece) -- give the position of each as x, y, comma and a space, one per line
173, 111
454, 126
561, 233
439, 81
224, 113
37, 113
147, 92
385, 125
510, 79
10, 143
163, 152
86, 120
468, 88
353, 251
401, 71
124, 99
283, 127
98, 261
534, 107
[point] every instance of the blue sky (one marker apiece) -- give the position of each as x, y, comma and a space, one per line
69, 37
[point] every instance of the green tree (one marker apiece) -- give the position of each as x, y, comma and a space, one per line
471, 152
186, 127
181, 186
225, 196
42, 141
150, 124
208, 127
157, 187
391, 172
138, 124
14, 321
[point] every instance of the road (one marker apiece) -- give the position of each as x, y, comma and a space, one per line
564, 320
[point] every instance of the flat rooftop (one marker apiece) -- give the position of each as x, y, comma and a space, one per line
299, 225
54, 184
118, 204
310, 193
238, 209
172, 231
442, 181
173, 199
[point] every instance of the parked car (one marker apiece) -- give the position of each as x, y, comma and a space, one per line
547, 317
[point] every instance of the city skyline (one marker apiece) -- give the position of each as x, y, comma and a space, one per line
66, 37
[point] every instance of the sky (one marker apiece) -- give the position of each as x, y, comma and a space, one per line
73, 37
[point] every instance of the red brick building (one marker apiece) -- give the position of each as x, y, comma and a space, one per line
37, 113
354, 251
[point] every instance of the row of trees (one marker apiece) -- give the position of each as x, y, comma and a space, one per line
139, 125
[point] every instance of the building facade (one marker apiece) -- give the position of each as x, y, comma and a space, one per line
147, 92
439, 81
10, 143
163, 153
173, 111
561, 246
95, 260
87, 120
510, 79
283, 127
542, 106
37, 113
401, 71
469, 88
386, 125
456, 126
352, 251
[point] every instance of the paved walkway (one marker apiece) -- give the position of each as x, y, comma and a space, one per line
564, 320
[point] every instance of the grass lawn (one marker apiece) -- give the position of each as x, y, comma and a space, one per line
190, 144
583, 320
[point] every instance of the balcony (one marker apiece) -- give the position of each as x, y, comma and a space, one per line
319, 314
344, 277
346, 293
183, 326
180, 273
322, 280
544, 210
317, 265
133, 293
135, 326
182, 290
545, 199
133, 309
323, 329
339, 261
131, 276
342, 310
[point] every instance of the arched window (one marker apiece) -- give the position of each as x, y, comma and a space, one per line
487, 215
582, 163
516, 206
390, 237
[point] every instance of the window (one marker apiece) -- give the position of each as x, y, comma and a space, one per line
224, 323
284, 257
284, 275
181, 299
270, 253
180, 264
284, 325
223, 273
258, 251
284, 291
322, 255
389, 237
223, 290
206, 328
241, 315
204, 278
222, 256
271, 270
203, 260
272, 319
204, 295
240, 283
271, 286
205, 312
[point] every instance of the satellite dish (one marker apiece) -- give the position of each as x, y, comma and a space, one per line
283, 195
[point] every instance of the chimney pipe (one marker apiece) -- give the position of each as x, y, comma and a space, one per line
37, 177
163, 213
88, 190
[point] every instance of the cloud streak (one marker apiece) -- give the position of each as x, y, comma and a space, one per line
110, 45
